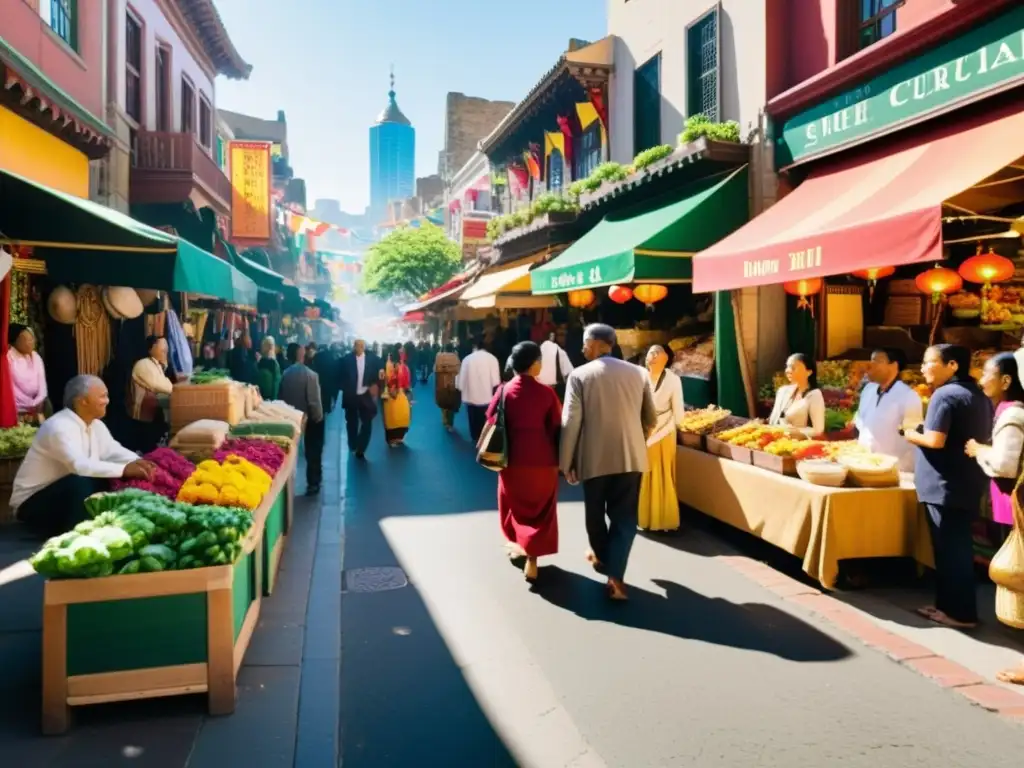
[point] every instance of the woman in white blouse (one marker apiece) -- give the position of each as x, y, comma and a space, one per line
148, 393
659, 504
800, 403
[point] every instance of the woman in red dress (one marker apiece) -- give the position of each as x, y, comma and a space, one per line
528, 486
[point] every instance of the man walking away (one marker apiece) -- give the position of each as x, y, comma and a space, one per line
555, 366
360, 384
608, 414
479, 376
300, 388
324, 365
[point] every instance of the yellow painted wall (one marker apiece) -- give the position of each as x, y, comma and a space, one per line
29, 151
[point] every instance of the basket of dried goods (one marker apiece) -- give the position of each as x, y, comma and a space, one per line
698, 423
822, 472
871, 470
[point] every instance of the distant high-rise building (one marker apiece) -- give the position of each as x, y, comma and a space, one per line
392, 157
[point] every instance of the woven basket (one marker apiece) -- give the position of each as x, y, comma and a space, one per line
1010, 607
221, 401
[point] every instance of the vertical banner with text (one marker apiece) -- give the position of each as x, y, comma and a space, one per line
251, 211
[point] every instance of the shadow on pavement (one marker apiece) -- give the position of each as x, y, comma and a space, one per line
686, 614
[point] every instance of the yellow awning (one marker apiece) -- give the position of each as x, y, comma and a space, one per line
505, 288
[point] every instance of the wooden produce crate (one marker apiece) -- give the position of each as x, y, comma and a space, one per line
149, 635
275, 517
728, 451
694, 440
220, 401
784, 465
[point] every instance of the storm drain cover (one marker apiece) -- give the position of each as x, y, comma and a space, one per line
373, 579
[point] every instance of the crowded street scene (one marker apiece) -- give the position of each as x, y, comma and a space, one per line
650, 393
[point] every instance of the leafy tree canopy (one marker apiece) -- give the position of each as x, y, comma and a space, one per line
409, 262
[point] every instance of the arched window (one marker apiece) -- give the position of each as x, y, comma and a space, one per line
556, 170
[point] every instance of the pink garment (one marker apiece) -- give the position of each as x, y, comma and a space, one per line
29, 379
1001, 489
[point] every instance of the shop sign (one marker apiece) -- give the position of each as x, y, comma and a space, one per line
573, 277
474, 231
251, 211
984, 61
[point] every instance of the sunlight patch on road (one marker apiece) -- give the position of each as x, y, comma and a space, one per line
15, 572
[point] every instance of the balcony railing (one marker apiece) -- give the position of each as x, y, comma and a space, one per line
163, 162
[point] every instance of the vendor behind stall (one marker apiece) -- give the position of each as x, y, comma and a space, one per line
800, 403
887, 405
28, 375
71, 457
147, 395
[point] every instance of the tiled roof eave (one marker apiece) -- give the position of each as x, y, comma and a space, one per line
213, 35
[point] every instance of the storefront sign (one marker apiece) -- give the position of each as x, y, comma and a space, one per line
29, 151
573, 277
251, 212
474, 231
984, 61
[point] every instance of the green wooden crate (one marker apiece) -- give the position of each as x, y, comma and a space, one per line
274, 532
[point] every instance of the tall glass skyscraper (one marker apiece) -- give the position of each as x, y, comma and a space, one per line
392, 157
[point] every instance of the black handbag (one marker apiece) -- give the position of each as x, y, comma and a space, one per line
492, 447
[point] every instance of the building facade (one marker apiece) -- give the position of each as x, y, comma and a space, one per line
467, 119
52, 103
162, 62
392, 158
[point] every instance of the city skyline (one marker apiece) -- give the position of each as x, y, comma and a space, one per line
331, 84
392, 156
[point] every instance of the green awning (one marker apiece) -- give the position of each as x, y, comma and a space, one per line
652, 242
265, 278
84, 242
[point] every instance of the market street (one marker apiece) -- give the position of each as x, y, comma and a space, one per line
703, 667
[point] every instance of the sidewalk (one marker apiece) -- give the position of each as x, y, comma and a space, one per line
288, 692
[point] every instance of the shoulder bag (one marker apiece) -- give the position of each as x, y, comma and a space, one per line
492, 447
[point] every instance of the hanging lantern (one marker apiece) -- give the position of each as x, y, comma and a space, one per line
581, 299
650, 293
986, 268
938, 282
873, 275
620, 294
803, 289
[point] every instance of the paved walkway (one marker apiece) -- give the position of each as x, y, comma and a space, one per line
467, 666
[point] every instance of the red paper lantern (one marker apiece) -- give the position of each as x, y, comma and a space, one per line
873, 275
620, 294
581, 299
937, 282
650, 293
987, 268
803, 289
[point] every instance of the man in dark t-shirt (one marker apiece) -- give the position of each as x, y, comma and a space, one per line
949, 483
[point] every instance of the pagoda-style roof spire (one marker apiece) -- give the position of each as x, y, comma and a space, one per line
391, 113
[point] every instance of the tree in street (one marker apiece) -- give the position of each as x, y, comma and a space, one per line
409, 262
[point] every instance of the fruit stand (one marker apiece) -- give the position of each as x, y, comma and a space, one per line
159, 592
751, 477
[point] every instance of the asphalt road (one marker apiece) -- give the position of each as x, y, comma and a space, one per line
466, 665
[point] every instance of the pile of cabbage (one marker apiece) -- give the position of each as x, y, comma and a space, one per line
134, 531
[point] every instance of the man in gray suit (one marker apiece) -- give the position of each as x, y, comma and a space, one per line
608, 414
300, 388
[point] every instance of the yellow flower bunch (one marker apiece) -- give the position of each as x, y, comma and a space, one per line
233, 483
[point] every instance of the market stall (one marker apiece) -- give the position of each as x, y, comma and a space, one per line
159, 592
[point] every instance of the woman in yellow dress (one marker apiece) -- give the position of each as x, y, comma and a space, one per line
659, 504
397, 411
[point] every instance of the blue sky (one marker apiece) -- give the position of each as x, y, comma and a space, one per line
325, 63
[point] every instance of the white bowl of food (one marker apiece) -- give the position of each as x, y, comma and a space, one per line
822, 472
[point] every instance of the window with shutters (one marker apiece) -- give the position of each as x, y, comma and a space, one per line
587, 151
205, 122
133, 67
876, 20
62, 16
162, 83
702, 68
647, 105
188, 106
555, 171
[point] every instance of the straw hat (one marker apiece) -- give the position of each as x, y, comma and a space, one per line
123, 303
62, 305
106, 305
147, 295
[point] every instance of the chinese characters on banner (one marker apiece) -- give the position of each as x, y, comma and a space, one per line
251, 211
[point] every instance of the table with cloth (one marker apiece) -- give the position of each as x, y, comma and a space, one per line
819, 525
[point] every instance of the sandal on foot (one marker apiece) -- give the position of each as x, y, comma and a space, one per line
616, 591
945, 620
530, 569
1012, 676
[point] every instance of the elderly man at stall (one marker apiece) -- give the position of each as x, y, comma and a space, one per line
72, 456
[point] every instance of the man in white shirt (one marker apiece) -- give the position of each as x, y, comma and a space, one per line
886, 404
72, 456
555, 366
479, 377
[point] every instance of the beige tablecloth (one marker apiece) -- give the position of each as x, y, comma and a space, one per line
819, 525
